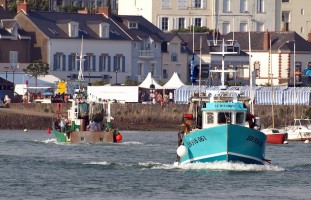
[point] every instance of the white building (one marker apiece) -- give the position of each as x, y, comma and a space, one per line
223, 15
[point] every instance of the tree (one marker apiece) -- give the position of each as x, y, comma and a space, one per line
197, 29
38, 5
36, 69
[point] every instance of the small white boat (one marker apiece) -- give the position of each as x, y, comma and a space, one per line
300, 131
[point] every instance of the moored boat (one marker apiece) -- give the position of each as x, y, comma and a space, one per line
300, 131
275, 136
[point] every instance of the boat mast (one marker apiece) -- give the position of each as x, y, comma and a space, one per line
200, 70
81, 59
272, 93
223, 71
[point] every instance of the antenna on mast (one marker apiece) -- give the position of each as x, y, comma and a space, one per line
223, 71
81, 60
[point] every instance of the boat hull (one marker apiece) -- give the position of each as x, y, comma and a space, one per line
298, 135
85, 137
276, 138
231, 143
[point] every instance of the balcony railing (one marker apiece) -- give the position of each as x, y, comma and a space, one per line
146, 54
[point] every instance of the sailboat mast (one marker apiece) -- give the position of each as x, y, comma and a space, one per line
272, 93
251, 92
200, 70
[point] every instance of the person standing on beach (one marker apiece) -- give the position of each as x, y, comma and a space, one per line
171, 98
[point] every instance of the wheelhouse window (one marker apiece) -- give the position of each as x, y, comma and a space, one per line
240, 118
210, 118
224, 118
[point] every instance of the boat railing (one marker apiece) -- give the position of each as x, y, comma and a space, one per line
214, 96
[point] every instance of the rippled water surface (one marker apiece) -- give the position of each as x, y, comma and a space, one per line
34, 166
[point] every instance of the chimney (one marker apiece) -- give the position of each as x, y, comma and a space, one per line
266, 40
85, 11
4, 4
103, 10
22, 7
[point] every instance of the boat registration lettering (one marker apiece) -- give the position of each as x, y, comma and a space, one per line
224, 105
197, 140
255, 140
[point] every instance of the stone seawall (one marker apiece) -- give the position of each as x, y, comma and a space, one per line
132, 116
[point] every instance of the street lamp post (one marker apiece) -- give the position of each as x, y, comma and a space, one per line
116, 69
6, 77
294, 80
89, 76
14, 67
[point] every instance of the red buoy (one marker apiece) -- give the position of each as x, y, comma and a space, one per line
119, 137
49, 130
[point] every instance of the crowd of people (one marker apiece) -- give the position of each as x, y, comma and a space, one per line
157, 97
30, 97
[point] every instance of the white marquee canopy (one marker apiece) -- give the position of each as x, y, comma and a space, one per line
148, 81
174, 82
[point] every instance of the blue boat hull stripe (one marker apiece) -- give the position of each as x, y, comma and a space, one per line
221, 154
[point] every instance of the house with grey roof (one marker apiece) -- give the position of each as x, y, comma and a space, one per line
57, 39
146, 40
14, 43
113, 46
274, 55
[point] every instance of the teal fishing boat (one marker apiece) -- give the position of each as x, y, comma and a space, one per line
220, 127
87, 122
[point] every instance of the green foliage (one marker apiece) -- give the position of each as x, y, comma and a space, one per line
197, 29
36, 69
101, 82
70, 9
308, 113
38, 5
11, 6
161, 82
130, 82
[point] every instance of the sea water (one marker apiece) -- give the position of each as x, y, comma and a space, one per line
34, 166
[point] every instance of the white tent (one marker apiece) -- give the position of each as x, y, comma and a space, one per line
148, 81
174, 82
